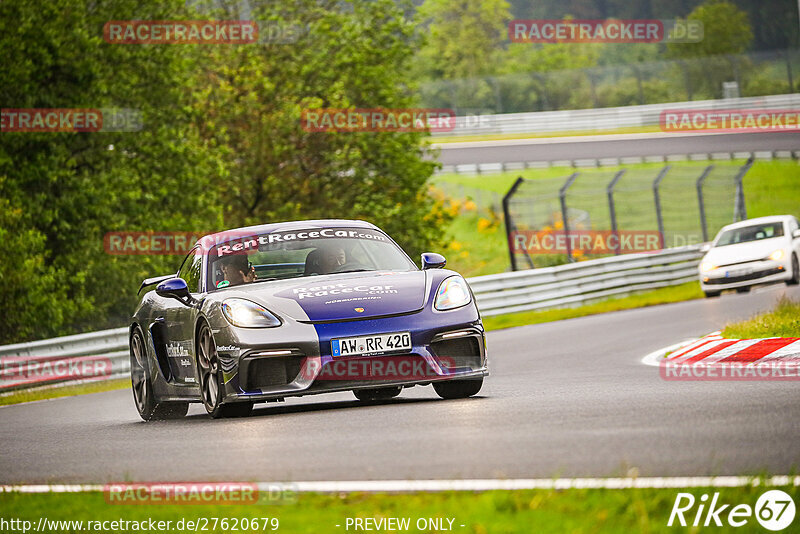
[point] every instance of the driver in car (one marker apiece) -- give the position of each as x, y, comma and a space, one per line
237, 270
332, 259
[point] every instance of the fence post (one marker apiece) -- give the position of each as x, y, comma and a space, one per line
740, 211
657, 198
562, 196
699, 185
611, 210
510, 227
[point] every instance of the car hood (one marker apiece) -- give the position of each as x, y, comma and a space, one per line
743, 252
337, 297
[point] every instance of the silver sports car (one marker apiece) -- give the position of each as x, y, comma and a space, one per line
266, 312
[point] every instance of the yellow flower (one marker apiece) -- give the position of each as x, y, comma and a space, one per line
455, 245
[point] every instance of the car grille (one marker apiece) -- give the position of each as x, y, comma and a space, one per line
273, 371
743, 278
459, 352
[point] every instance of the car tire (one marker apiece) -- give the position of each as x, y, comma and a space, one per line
743, 289
142, 385
458, 389
795, 280
712, 294
210, 379
370, 395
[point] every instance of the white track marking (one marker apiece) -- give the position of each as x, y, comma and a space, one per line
335, 486
791, 350
657, 356
698, 350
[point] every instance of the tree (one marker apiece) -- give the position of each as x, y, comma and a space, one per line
356, 58
726, 30
61, 192
463, 38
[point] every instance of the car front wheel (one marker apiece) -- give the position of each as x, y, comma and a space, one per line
795, 280
211, 383
141, 384
458, 389
712, 294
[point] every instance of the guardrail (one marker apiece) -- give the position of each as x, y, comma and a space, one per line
104, 355
579, 283
99, 355
604, 118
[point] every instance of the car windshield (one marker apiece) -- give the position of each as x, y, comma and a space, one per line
301, 253
746, 234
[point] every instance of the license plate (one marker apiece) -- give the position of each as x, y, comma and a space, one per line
377, 344
738, 272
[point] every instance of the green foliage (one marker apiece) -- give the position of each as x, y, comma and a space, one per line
726, 30
464, 38
277, 171
221, 145
64, 191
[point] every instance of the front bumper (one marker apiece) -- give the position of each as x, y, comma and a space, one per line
266, 365
745, 275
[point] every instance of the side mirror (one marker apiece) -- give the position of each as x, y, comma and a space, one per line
431, 260
175, 288
796, 234
705, 247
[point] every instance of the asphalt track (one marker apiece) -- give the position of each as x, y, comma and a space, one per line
569, 399
614, 146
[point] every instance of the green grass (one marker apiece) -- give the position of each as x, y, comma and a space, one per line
783, 321
679, 293
495, 512
63, 391
771, 187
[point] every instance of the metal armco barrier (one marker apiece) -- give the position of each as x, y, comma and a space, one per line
606, 118
82, 357
578, 283
94, 356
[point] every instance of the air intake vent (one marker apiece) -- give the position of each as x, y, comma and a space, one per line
459, 352
269, 372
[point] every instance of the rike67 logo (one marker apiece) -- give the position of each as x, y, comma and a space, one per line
774, 510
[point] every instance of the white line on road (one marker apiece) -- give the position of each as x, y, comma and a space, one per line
657, 355
336, 486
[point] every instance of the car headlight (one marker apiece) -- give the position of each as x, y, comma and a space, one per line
706, 266
248, 314
777, 255
452, 293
